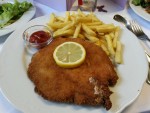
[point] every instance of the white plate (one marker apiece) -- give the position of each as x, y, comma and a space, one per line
140, 11
19, 90
21, 21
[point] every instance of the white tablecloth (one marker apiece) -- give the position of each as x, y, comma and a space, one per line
142, 103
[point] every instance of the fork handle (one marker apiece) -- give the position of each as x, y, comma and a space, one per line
147, 38
143, 37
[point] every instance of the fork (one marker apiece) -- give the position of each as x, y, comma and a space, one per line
137, 30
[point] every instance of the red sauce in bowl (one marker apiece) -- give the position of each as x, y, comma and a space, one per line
39, 37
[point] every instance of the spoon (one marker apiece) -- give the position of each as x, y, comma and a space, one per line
121, 19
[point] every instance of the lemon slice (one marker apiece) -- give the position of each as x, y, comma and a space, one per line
69, 54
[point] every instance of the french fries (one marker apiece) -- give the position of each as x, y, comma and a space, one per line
88, 26
88, 30
110, 45
118, 54
77, 31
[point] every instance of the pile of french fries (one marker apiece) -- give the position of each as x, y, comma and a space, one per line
88, 26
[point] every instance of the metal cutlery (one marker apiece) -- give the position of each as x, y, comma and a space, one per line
132, 26
148, 77
121, 19
136, 29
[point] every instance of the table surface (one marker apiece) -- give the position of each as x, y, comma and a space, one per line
142, 103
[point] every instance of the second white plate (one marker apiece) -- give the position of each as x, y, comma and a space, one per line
140, 11
21, 21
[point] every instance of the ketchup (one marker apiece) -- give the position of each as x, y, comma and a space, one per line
80, 2
39, 37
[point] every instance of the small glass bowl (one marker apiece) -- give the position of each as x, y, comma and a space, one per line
37, 45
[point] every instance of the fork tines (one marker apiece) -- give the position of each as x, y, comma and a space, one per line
136, 28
